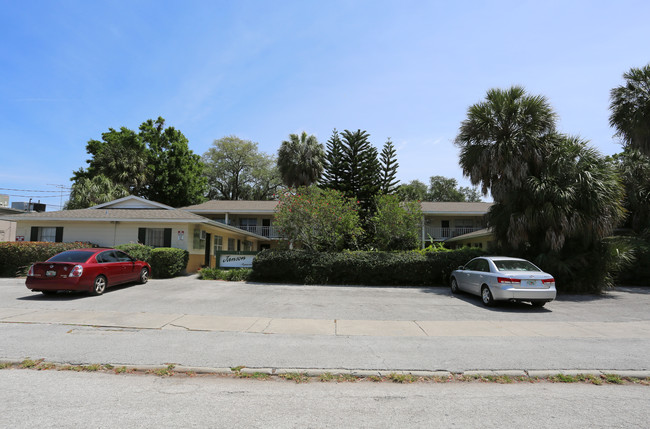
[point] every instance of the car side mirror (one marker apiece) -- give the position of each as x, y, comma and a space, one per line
461, 267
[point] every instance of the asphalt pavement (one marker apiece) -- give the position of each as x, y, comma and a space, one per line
216, 324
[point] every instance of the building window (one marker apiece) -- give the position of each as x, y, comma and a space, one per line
248, 246
155, 237
47, 234
248, 224
218, 243
231, 244
50, 234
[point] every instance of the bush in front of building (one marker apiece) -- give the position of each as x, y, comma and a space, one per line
17, 256
168, 262
137, 251
412, 268
234, 274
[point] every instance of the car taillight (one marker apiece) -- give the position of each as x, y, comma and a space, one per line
30, 273
77, 271
508, 281
548, 282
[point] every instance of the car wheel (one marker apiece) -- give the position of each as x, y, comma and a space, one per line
99, 286
454, 286
144, 276
538, 304
487, 297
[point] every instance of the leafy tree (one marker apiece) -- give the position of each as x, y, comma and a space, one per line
175, 171
444, 189
88, 192
395, 224
556, 198
121, 157
472, 195
155, 163
389, 165
237, 170
318, 219
300, 160
412, 191
630, 106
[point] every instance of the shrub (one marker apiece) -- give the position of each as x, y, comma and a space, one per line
235, 275
168, 261
17, 256
137, 251
413, 268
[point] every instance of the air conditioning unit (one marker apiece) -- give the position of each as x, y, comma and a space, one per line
203, 235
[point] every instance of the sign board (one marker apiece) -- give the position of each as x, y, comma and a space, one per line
236, 261
20, 238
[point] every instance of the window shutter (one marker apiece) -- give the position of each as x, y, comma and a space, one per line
142, 235
168, 237
34, 234
59, 234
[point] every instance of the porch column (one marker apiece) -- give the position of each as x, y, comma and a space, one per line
423, 231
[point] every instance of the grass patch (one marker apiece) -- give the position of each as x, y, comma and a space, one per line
295, 376
168, 371
375, 378
5, 365
401, 378
29, 363
613, 379
44, 366
120, 370
326, 377
237, 368
347, 378
563, 378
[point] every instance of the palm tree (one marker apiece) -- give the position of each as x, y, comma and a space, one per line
501, 141
90, 192
301, 160
556, 198
630, 106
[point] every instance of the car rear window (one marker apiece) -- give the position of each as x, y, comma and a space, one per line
510, 265
72, 256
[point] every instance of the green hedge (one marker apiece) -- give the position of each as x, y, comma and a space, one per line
168, 262
363, 268
17, 256
237, 274
137, 251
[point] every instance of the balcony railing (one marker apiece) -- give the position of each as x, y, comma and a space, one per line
264, 231
438, 233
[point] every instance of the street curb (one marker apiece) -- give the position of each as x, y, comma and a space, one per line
361, 373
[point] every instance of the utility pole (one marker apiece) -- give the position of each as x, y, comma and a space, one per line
61, 187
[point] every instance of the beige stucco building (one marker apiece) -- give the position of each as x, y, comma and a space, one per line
136, 220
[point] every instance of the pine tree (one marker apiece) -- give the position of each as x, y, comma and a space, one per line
333, 168
389, 165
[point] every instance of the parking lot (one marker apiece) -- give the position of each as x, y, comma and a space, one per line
215, 323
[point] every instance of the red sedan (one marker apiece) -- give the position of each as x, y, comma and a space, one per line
91, 270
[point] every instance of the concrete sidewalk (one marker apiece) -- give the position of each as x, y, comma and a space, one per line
329, 327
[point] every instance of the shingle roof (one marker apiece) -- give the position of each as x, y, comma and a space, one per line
114, 214
231, 206
453, 207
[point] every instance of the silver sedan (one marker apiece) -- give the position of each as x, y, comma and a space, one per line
500, 278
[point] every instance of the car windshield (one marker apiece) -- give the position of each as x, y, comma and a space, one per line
72, 256
514, 265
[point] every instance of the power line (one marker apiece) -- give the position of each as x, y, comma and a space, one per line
31, 190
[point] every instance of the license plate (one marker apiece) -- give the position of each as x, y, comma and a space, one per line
531, 283
50, 273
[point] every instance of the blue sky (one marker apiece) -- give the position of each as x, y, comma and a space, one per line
261, 70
